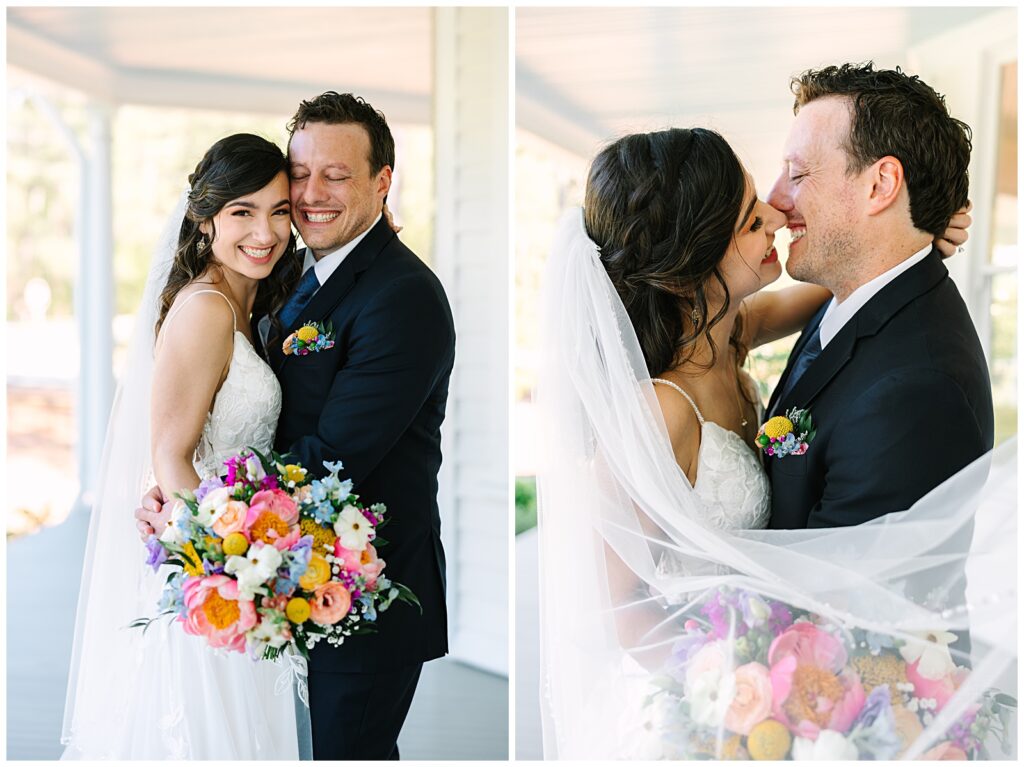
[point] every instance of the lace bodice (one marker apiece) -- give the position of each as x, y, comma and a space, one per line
245, 410
731, 482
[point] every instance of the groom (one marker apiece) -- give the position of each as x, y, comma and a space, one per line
375, 401
891, 369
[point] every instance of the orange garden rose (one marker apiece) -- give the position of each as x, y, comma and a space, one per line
231, 519
753, 701
331, 602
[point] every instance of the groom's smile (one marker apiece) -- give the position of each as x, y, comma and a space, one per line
335, 196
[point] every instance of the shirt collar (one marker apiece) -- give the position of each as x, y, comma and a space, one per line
325, 266
839, 313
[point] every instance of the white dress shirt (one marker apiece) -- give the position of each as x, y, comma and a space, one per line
324, 269
328, 263
839, 313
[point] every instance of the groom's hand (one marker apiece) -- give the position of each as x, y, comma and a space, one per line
152, 518
956, 232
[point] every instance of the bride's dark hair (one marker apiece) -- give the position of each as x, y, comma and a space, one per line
662, 209
233, 167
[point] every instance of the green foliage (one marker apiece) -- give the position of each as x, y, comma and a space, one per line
526, 503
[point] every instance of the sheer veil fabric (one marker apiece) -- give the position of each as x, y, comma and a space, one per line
162, 694
625, 551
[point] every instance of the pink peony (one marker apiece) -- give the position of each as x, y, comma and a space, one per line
753, 700
810, 645
277, 502
365, 562
213, 610
811, 690
281, 544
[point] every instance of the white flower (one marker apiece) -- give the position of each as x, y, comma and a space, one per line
172, 535
759, 610
253, 570
353, 529
214, 500
830, 746
269, 633
932, 650
254, 469
710, 696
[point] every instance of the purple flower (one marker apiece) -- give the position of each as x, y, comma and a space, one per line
780, 619
156, 554
206, 486
370, 517
874, 730
234, 464
269, 482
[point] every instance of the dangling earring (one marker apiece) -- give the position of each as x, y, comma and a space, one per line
695, 316
201, 243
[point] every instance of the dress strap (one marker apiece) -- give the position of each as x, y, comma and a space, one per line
688, 397
178, 308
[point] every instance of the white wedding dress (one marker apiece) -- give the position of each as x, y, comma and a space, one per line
170, 695
731, 482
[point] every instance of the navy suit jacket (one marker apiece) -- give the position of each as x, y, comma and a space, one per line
376, 401
901, 400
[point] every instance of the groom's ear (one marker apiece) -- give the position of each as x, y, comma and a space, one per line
886, 178
384, 181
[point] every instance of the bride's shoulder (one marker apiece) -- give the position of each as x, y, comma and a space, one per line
199, 315
683, 425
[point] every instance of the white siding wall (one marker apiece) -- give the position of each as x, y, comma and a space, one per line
471, 255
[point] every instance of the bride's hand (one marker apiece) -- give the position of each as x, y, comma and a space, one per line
391, 220
956, 232
151, 517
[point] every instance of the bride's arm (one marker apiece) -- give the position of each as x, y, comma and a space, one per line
193, 354
771, 315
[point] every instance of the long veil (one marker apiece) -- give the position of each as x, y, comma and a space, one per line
113, 565
664, 637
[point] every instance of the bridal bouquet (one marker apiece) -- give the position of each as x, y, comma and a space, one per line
267, 560
752, 678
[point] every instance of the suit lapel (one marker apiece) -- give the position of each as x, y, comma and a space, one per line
868, 321
330, 294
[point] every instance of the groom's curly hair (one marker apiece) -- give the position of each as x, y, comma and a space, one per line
335, 108
662, 209
893, 113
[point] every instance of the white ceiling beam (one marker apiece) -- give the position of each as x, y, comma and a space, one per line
38, 55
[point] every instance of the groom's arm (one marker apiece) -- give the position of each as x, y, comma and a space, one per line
905, 435
401, 346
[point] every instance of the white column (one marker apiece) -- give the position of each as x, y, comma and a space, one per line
94, 298
471, 156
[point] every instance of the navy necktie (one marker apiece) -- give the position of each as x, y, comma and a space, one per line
807, 355
299, 298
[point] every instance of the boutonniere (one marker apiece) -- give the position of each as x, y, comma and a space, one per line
788, 434
311, 337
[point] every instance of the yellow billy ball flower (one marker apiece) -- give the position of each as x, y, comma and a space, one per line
318, 573
769, 741
297, 610
294, 473
235, 545
779, 426
307, 333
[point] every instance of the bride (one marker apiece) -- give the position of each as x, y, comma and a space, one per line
651, 306
195, 383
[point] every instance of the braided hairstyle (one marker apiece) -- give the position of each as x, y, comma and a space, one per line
233, 167
662, 209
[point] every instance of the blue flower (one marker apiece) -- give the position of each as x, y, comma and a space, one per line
317, 491
173, 595
324, 512
285, 586
333, 466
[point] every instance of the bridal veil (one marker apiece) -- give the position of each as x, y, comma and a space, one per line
626, 558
